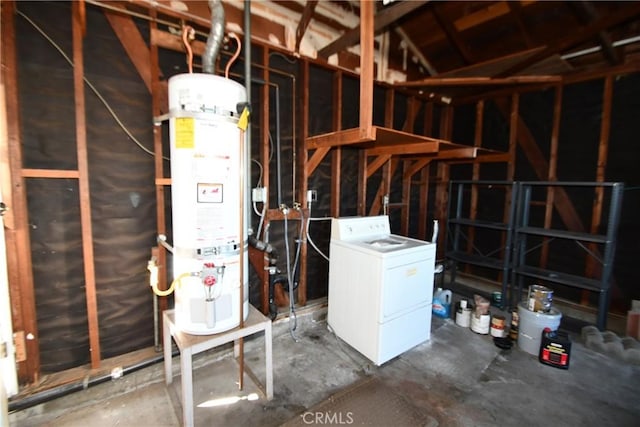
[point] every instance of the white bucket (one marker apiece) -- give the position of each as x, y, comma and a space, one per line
531, 325
480, 324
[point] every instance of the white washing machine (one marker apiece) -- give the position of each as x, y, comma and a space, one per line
380, 287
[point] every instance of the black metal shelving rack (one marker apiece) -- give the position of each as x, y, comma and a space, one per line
524, 229
457, 223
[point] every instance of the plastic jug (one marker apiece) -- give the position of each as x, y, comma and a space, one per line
442, 303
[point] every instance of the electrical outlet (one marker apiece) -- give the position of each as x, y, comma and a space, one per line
312, 196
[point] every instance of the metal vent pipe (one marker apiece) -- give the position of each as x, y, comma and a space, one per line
214, 40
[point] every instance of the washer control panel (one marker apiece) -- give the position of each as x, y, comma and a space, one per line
359, 227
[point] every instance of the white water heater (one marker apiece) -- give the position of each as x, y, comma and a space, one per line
206, 207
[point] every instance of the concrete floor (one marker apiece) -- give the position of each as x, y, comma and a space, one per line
458, 378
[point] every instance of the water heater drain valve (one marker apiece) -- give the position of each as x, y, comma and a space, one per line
212, 275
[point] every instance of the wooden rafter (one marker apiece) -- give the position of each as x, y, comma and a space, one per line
479, 81
133, 43
453, 36
515, 9
589, 31
586, 13
382, 20
305, 19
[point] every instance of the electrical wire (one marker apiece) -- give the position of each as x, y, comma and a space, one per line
95, 91
259, 184
309, 236
235, 55
290, 61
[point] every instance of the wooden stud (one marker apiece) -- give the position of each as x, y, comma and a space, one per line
593, 269
366, 68
473, 205
83, 182
336, 160
304, 109
423, 201
562, 202
266, 169
424, 176
161, 183
16, 220
552, 176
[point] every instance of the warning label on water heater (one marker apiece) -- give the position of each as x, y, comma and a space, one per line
185, 132
210, 193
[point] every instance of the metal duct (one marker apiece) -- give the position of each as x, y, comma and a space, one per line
215, 37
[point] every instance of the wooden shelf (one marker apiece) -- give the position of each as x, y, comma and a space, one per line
378, 140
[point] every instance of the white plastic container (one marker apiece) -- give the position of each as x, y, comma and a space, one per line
531, 325
463, 314
480, 324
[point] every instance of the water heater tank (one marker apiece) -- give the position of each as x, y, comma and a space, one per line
205, 201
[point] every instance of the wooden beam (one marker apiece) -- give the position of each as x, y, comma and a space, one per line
404, 149
587, 32
415, 167
333, 139
389, 97
83, 183
628, 68
441, 202
170, 41
362, 183
336, 159
366, 69
475, 176
586, 13
159, 104
305, 19
479, 81
593, 269
390, 169
315, 160
532, 152
382, 20
377, 163
406, 199
265, 152
50, 173
515, 10
552, 175
423, 202
453, 36
491, 67
16, 220
133, 43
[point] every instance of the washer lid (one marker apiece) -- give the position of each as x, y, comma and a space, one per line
387, 242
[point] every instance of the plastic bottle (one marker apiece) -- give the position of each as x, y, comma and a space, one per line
442, 303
